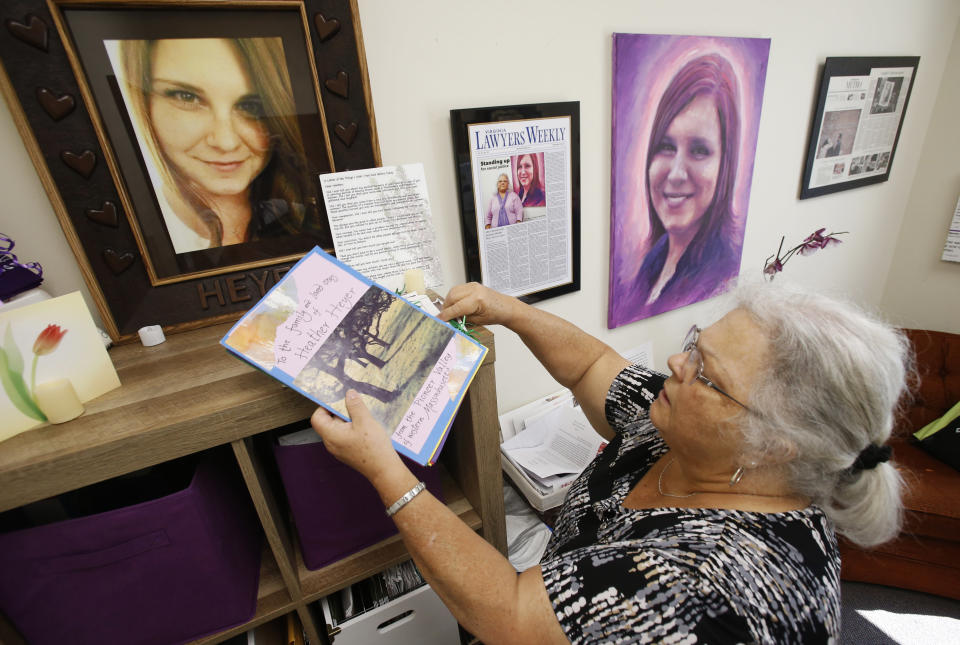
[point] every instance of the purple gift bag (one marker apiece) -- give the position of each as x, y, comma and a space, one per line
169, 570
15, 276
336, 511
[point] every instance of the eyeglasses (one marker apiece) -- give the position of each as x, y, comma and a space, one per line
693, 367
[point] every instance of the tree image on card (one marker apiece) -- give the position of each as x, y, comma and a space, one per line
384, 349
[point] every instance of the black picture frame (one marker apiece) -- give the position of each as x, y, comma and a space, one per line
855, 98
460, 121
81, 142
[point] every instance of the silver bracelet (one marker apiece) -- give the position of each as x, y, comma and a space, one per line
403, 501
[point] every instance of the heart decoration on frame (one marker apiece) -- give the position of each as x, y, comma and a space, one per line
107, 215
34, 33
56, 106
347, 133
326, 29
339, 85
118, 261
83, 163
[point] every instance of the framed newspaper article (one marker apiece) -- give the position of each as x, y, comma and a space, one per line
858, 121
518, 175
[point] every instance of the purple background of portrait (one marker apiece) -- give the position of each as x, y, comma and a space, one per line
643, 65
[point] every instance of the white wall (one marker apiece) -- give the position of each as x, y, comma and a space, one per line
426, 57
923, 291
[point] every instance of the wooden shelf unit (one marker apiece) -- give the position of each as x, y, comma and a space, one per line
188, 395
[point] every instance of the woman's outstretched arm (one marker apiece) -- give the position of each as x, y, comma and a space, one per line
477, 584
573, 357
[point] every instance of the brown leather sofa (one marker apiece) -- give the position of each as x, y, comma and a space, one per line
926, 555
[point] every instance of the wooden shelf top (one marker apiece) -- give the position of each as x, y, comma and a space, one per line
185, 395
182, 396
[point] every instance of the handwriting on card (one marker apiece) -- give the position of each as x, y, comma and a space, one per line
327, 293
429, 404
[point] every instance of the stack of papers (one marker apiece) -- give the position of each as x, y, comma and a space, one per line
546, 444
554, 444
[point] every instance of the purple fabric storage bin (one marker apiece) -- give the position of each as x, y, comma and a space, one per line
336, 511
165, 571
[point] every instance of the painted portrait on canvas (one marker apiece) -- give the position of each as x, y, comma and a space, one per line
686, 110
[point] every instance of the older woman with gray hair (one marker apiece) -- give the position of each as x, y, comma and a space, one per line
504, 208
711, 515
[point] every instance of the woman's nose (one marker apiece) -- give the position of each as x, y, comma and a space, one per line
678, 169
676, 362
223, 133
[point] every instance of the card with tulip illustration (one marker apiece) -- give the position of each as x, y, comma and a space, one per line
46, 341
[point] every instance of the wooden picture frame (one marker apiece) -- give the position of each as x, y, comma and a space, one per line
545, 136
857, 123
73, 108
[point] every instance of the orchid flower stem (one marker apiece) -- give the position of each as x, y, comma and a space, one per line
811, 244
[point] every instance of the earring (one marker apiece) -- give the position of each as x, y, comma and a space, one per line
737, 476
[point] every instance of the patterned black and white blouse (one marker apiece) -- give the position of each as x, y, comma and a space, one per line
682, 575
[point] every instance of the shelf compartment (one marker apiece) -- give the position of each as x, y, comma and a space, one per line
273, 601
365, 563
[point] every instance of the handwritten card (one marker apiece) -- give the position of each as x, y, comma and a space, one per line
329, 294
324, 329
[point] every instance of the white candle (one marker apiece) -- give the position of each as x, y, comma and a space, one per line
58, 400
151, 335
413, 281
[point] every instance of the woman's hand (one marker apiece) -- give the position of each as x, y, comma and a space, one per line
481, 305
362, 443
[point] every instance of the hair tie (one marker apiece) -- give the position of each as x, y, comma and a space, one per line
870, 456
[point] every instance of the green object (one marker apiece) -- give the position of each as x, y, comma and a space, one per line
11, 378
461, 325
939, 424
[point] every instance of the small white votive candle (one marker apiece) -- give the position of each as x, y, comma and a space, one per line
58, 400
151, 335
413, 281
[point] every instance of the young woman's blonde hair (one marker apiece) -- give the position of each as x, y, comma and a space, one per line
285, 177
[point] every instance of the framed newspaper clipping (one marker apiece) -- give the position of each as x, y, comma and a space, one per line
858, 121
518, 175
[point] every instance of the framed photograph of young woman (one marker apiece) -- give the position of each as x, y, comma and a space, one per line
518, 173
183, 143
686, 112
857, 123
